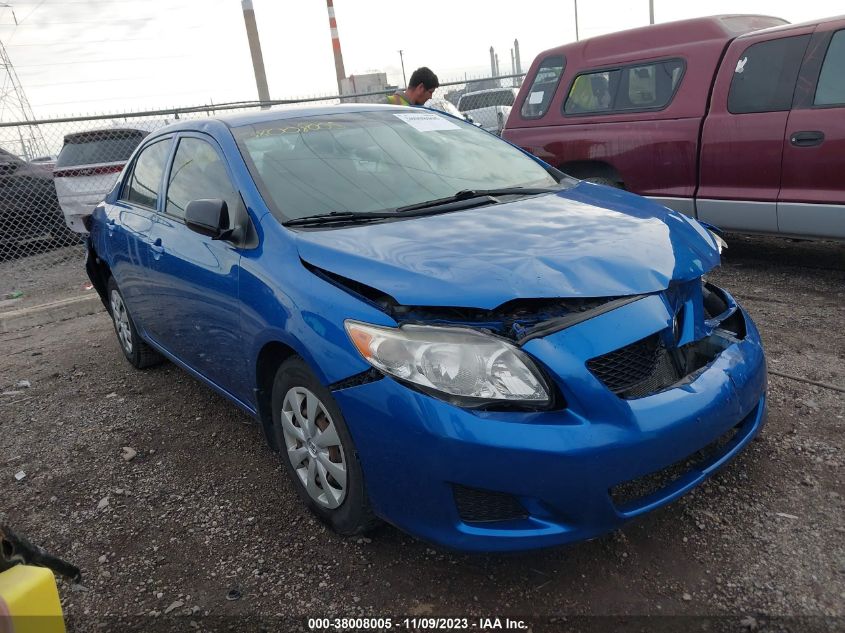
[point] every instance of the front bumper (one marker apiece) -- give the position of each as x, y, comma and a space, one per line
559, 465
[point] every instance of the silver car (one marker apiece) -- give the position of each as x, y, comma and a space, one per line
89, 164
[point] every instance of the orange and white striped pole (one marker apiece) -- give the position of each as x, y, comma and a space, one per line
338, 56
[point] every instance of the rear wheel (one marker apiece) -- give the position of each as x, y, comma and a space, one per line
317, 451
137, 352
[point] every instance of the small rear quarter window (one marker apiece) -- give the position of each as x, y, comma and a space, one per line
543, 87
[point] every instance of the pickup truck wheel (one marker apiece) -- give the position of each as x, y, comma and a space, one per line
317, 451
137, 352
609, 182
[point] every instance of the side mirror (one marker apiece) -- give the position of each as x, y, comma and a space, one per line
208, 217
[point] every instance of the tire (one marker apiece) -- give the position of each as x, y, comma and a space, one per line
609, 182
317, 450
137, 352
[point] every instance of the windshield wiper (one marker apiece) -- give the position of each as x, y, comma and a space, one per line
464, 199
339, 216
469, 194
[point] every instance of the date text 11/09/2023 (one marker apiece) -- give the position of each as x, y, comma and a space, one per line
417, 623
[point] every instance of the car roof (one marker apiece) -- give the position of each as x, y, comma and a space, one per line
789, 27
487, 90
655, 38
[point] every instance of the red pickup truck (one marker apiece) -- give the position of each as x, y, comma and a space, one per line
737, 120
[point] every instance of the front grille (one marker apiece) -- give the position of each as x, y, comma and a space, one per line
633, 493
636, 370
483, 506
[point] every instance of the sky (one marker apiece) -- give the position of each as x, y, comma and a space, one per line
78, 57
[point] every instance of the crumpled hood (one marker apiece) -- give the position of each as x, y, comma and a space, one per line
587, 241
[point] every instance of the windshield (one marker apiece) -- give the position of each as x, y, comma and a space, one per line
376, 161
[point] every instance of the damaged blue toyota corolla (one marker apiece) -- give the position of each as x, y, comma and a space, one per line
432, 327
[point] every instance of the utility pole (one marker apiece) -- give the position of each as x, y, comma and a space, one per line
513, 69
576, 20
402, 61
651, 11
255, 51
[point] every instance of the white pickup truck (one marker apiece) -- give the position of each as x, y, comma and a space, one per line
488, 108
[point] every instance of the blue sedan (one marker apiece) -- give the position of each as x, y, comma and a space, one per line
432, 327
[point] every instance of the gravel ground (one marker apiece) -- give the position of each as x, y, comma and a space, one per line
38, 279
203, 513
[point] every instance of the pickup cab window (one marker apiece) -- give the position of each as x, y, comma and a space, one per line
831, 88
543, 87
764, 77
641, 87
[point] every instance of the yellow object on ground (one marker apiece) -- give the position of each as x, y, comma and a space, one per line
29, 601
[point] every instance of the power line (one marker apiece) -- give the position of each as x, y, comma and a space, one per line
121, 98
107, 22
105, 80
66, 2
76, 43
105, 61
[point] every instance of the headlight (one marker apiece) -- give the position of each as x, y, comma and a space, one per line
720, 243
458, 362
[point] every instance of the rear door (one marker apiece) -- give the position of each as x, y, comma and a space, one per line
742, 138
128, 222
195, 278
812, 194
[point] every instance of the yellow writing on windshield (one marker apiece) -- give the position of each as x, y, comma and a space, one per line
299, 128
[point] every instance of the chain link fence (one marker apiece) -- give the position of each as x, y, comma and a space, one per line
54, 172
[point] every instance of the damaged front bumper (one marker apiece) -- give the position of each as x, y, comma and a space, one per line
509, 480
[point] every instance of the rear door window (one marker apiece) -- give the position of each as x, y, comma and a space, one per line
197, 173
102, 146
765, 74
831, 86
543, 87
145, 182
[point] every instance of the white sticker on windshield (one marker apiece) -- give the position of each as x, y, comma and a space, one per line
535, 97
740, 65
427, 121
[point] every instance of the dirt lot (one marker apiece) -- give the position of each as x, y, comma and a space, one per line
203, 508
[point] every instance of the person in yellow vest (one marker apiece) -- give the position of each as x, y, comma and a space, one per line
422, 85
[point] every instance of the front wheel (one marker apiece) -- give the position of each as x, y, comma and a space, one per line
137, 352
317, 451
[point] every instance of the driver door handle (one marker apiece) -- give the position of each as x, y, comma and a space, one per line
809, 138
